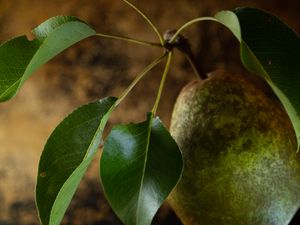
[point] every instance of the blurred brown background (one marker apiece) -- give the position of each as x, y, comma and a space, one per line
96, 68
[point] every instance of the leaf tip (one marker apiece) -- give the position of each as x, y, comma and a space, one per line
44, 29
231, 21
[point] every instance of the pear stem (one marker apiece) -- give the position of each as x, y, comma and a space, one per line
183, 45
194, 64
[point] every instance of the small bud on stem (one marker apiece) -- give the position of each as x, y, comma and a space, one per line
183, 45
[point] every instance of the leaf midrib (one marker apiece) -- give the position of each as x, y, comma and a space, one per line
85, 158
144, 168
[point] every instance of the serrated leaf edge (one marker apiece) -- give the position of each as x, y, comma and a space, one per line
87, 156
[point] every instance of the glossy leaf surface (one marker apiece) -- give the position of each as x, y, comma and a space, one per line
140, 165
270, 49
19, 57
66, 156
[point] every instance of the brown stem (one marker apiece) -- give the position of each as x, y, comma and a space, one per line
183, 45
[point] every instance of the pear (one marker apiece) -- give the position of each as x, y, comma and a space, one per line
239, 148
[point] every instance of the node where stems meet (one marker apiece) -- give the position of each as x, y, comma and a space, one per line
183, 45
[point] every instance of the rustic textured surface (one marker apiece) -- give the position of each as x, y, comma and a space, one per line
239, 150
97, 68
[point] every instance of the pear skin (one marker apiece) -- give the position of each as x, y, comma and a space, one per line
239, 150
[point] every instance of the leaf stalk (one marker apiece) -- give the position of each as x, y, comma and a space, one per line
148, 20
162, 82
138, 78
130, 40
187, 24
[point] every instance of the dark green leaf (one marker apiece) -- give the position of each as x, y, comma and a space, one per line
19, 57
67, 154
140, 165
270, 49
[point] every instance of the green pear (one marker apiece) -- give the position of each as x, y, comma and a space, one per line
239, 148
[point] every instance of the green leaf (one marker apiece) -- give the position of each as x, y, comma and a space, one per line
140, 165
66, 156
270, 49
19, 57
